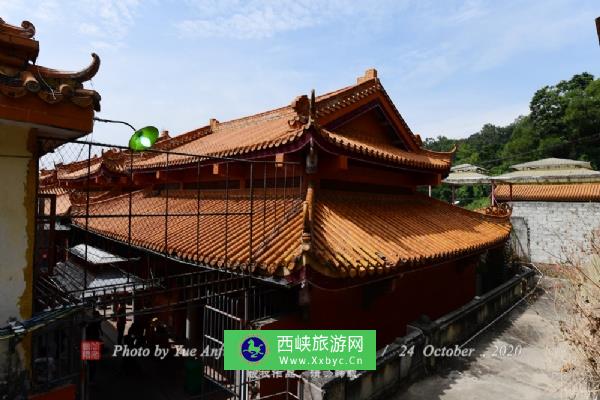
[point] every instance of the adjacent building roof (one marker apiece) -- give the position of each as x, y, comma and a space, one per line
346, 234
467, 174
62, 199
552, 163
550, 170
35, 94
94, 255
557, 192
81, 283
468, 168
291, 127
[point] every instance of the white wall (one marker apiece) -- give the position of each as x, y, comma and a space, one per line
558, 231
14, 221
17, 188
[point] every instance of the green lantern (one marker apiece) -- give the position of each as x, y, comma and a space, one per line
144, 138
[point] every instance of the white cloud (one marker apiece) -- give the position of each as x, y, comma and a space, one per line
47, 10
533, 30
107, 20
475, 38
262, 19
436, 56
90, 29
469, 10
249, 21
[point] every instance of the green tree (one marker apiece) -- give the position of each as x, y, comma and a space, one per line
564, 121
582, 117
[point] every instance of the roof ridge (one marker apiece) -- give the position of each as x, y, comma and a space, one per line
260, 115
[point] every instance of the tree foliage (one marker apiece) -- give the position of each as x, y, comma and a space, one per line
564, 122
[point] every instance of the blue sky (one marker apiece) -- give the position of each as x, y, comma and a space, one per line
449, 66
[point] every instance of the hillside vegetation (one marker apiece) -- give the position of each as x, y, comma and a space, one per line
564, 122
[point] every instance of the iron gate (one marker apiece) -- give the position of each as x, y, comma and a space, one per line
222, 312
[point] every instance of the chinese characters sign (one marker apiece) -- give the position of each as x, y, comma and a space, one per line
90, 350
300, 350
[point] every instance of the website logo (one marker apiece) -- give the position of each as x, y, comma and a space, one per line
253, 349
307, 350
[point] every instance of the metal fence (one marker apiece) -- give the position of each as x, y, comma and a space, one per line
159, 233
214, 212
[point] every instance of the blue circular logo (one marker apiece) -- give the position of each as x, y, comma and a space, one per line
253, 349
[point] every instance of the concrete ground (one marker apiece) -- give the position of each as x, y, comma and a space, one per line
543, 370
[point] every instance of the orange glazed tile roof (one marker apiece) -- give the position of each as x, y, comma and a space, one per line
556, 192
113, 160
63, 201
387, 152
351, 234
233, 138
292, 126
275, 238
365, 234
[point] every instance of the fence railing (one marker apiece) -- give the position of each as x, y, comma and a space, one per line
219, 213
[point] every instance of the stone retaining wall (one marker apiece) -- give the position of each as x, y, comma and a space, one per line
557, 231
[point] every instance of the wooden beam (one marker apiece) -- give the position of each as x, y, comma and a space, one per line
279, 159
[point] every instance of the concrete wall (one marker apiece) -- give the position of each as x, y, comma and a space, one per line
16, 222
558, 231
17, 213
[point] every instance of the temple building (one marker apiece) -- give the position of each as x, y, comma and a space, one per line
306, 216
465, 175
556, 208
317, 198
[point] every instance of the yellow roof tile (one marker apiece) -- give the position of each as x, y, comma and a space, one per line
358, 234
353, 234
556, 192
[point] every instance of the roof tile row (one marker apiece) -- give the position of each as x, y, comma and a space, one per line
557, 192
351, 235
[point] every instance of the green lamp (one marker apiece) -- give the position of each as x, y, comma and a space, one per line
144, 138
